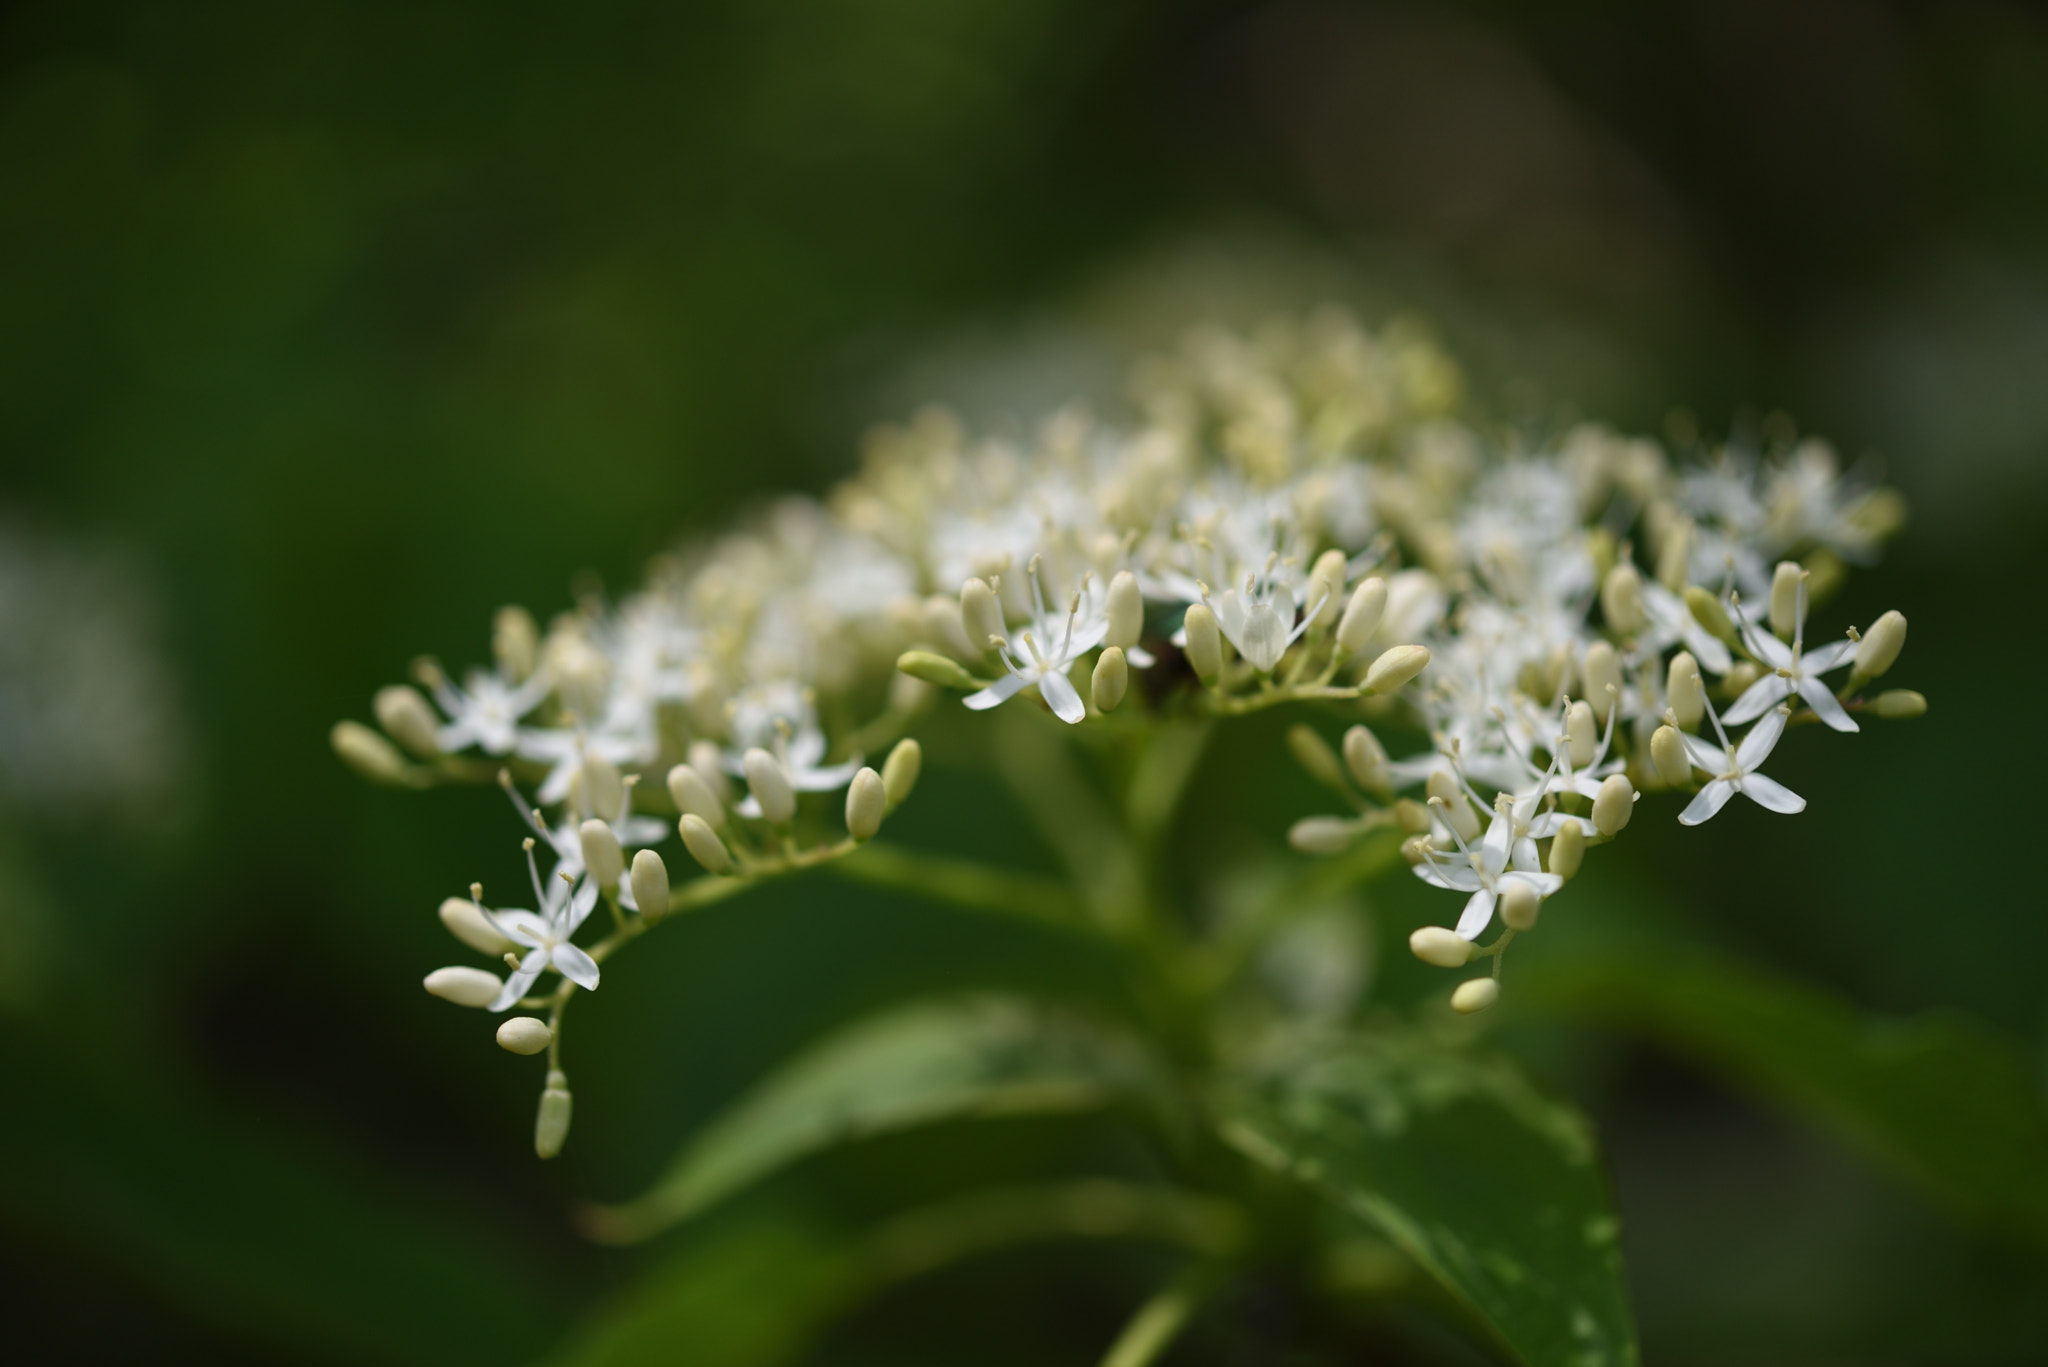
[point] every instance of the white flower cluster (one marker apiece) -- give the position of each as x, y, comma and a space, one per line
1296, 516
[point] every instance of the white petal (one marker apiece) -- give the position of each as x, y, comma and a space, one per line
1264, 637
1058, 691
1770, 652
1546, 884
1493, 850
748, 807
827, 778
1759, 698
1525, 858
1770, 794
576, 966
1001, 691
1820, 659
1449, 877
1705, 754
1822, 700
517, 985
1710, 800
1756, 747
520, 927
1478, 912
1706, 647
580, 903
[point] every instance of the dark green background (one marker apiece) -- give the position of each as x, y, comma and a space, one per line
349, 322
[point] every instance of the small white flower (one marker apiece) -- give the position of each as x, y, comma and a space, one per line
1794, 669
1051, 645
487, 711
545, 933
781, 719
1734, 769
1501, 859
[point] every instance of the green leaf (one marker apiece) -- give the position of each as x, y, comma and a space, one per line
1493, 1189
941, 1060
1944, 1099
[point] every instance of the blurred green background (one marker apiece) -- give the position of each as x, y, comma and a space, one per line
325, 329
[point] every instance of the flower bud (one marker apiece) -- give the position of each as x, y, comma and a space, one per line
650, 883
1581, 735
900, 770
1325, 587
1362, 615
1737, 680
1667, 753
551, 1125
601, 852
467, 923
1366, 759
1439, 946
1621, 599
1450, 802
1411, 816
1112, 676
524, 1035
1900, 704
1126, 611
769, 785
1395, 667
1878, 649
1674, 558
1474, 995
704, 845
1519, 904
1205, 643
1322, 834
866, 801
1684, 691
694, 796
1708, 611
981, 616
369, 754
1314, 754
1602, 671
937, 669
407, 718
1568, 849
709, 762
515, 642
602, 786
464, 986
1784, 608
1613, 805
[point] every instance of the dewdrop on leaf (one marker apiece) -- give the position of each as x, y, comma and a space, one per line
1322, 834
1441, 946
1204, 643
704, 845
407, 719
693, 796
1784, 606
1621, 599
1900, 704
1667, 753
900, 771
601, 853
1111, 677
650, 883
1366, 759
1613, 805
1126, 611
551, 1123
1519, 904
1362, 615
769, 785
369, 754
1685, 691
1396, 667
981, 616
1314, 754
1581, 734
1878, 649
1568, 850
524, 1035
1474, 995
866, 802
464, 986
467, 923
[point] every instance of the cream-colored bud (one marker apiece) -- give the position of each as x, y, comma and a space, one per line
650, 883
709, 762
1784, 608
704, 845
1710, 613
1737, 680
1322, 834
601, 852
467, 923
1613, 805
1111, 677
1314, 754
769, 785
1900, 704
1674, 558
1568, 850
1602, 672
1205, 643
524, 1035
866, 802
934, 668
1685, 691
1411, 816
900, 771
1126, 611
407, 719
1878, 649
369, 754
1362, 615
1450, 802
1396, 667
1621, 599
981, 616
693, 795
1519, 904
1581, 735
1366, 759
515, 641
1474, 995
1439, 946
1325, 588
603, 787
464, 986
551, 1123
1667, 752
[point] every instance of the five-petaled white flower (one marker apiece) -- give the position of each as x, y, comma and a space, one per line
1734, 769
1052, 643
1794, 669
563, 907
486, 712
1486, 872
